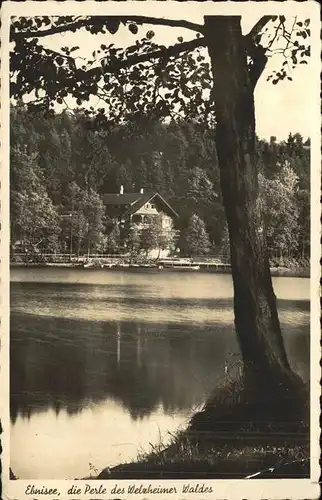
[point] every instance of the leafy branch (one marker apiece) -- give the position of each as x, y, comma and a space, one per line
111, 23
124, 78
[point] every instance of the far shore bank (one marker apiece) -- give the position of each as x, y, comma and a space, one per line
292, 272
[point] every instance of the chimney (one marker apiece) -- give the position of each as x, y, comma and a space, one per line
121, 189
141, 191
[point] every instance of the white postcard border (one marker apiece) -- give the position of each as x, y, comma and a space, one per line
273, 489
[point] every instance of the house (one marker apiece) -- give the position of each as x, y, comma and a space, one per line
140, 209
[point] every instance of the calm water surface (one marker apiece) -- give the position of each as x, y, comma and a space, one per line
105, 362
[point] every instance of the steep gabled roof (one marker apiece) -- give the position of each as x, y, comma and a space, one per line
132, 202
165, 203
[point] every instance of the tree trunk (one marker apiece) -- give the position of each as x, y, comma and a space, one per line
256, 318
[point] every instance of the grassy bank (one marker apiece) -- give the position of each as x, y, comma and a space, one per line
291, 272
232, 437
291, 267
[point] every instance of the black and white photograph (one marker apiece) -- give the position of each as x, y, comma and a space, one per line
160, 249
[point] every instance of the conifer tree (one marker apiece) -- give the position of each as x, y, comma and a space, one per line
194, 238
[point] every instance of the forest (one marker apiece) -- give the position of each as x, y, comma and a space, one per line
62, 164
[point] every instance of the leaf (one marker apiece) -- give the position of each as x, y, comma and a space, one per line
133, 28
131, 49
113, 25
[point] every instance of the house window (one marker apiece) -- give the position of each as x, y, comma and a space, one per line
136, 218
152, 205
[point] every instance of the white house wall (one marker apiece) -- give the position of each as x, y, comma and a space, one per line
167, 222
148, 209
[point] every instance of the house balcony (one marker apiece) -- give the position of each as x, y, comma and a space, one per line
142, 219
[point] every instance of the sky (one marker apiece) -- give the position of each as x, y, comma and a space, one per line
280, 109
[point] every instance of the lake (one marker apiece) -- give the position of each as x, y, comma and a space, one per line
106, 364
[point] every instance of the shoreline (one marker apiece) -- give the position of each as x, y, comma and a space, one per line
294, 272
248, 450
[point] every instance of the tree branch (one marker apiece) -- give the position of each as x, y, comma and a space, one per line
82, 23
173, 50
256, 51
257, 28
163, 22
15, 35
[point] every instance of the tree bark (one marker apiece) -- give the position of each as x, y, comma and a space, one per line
256, 318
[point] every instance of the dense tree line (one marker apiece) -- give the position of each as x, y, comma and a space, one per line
63, 164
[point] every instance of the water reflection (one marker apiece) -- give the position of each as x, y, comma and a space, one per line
64, 363
140, 366
103, 360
